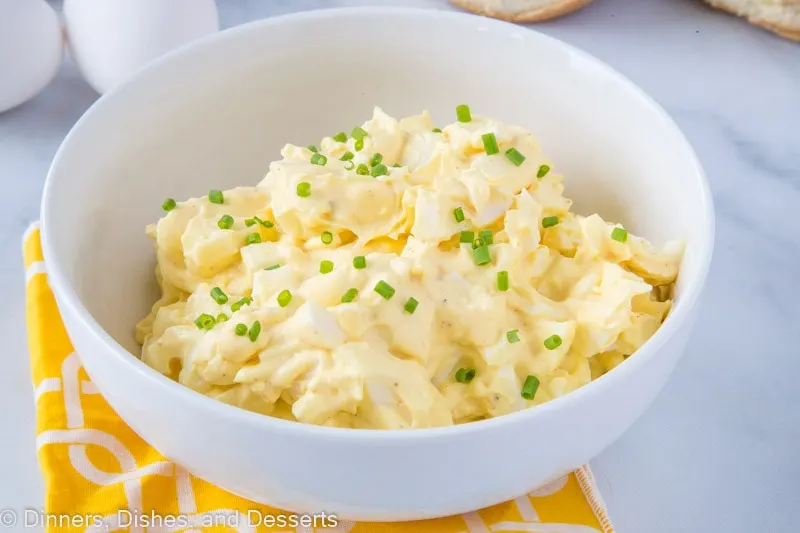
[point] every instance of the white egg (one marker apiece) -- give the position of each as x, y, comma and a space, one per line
30, 49
112, 39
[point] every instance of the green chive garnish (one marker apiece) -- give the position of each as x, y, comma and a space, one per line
304, 189
360, 262
552, 342
486, 236
252, 238
205, 321
312, 148
502, 281
436, 130
169, 204
530, 387
222, 317
411, 306
325, 267
379, 170
235, 306
215, 196
477, 243
225, 222
340, 137
319, 159
250, 222
543, 170
490, 143
349, 165
326, 237
362, 169
358, 133
256, 220
515, 156
549, 222
619, 234
273, 267
358, 145
350, 295
397, 165
463, 113
466, 236
240, 330
347, 156
459, 214
513, 336
376, 159
219, 295
482, 256
255, 329
465, 375
385, 290
284, 298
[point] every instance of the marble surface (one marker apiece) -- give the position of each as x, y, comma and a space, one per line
720, 448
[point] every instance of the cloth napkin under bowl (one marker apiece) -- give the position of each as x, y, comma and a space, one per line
100, 476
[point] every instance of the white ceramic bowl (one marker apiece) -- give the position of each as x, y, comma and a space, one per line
213, 114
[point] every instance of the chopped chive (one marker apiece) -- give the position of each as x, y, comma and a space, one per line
340, 137
284, 298
252, 238
619, 234
552, 342
169, 204
358, 133
250, 222
458, 213
349, 296
379, 170
502, 281
549, 222
222, 317
304, 189
273, 267
359, 262
411, 306
326, 237
219, 295
543, 170
465, 375
225, 222
477, 243
312, 148
463, 113
466, 236
362, 169
384, 289
376, 159
325, 267
235, 306
490, 143
255, 329
266, 223
349, 165
513, 336
530, 387
515, 156
205, 321
482, 256
347, 156
215, 196
397, 165
358, 145
486, 236
437, 130
319, 159
240, 330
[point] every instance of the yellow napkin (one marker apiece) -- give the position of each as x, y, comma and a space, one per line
100, 476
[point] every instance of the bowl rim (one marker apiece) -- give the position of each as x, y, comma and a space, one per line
68, 300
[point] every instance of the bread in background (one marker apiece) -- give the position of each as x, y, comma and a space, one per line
521, 10
779, 16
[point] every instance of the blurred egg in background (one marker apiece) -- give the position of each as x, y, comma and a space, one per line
112, 39
31, 49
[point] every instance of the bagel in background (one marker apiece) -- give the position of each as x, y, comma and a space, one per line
521, 10
779, 16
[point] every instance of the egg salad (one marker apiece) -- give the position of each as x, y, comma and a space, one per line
400, 276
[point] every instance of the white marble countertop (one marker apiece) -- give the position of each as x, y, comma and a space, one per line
720, 448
